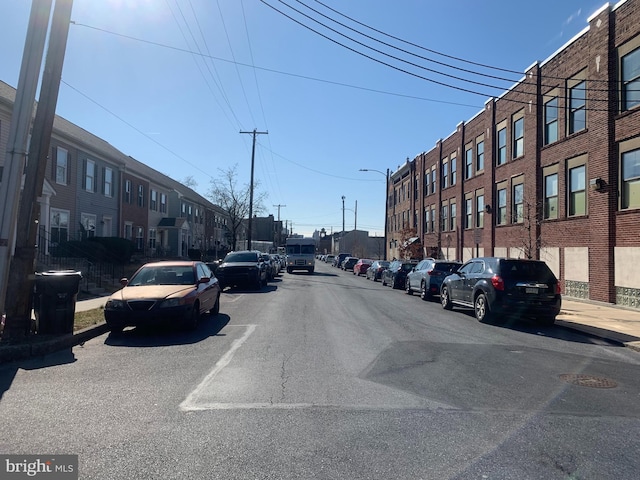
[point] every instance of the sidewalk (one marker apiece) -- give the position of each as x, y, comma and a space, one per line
617, 324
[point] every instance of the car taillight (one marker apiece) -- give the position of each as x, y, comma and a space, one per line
558, 289
497, 282
432, 272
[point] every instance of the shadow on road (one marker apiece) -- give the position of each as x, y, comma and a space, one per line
162, 336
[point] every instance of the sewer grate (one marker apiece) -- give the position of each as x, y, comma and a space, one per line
587, 380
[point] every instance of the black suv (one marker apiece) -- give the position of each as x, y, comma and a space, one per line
497, 288
243, 268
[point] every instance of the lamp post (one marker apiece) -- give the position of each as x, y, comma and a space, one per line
386, 193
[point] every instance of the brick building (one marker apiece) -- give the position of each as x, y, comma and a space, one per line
549, 170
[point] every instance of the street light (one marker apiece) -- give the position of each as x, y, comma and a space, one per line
386, 176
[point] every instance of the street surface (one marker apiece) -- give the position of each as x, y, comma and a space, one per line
332, 376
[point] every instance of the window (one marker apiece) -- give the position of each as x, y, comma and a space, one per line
416, 187
551, 196
454, 170
577, 191
551, 121
433, 179
152, 238
426, 220
480, 210
518, 136
90, 176
127, 192
444, 214
59, 226
578, 107
468, 213
433, 219
140, 238
518, 203
415, 219
630, 72
468, 163
108, 182
62, 158
426, 183
452, 216
501, 217
501, 158
153, 203
444, 177
141, 195
480, 156
631, 179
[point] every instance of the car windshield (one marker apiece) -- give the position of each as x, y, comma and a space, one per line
237, 257
407, 267
163, 275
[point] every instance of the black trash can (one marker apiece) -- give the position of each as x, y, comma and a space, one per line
54, 301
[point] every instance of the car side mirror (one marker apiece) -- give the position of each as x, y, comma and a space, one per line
204, 280
124, 281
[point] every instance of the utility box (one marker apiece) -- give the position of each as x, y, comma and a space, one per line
54, 301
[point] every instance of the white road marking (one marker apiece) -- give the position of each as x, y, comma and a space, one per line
190, 403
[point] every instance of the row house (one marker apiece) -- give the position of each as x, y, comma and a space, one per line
93, 189
549, 170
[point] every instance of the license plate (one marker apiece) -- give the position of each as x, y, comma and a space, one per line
531, 290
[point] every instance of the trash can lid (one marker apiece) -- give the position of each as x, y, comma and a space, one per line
59, 273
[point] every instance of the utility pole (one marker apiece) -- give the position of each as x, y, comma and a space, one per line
17, 147
20, 285
253, 156
279, 227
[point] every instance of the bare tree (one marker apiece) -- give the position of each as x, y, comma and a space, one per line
410, 248
529, 235
234, 200
190, 182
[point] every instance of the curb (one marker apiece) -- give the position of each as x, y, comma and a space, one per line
628, 341
52, 343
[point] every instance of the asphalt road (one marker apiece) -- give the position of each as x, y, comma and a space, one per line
332, 376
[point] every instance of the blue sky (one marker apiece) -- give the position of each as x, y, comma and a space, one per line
173, 82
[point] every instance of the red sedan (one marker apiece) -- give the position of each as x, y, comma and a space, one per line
361, 267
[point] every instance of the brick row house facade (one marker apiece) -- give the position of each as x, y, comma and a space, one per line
549, 170
93, 189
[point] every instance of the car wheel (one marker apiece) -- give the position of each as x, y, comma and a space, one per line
288, 270
193, 317
481, 309
216, 306
407, 287
115, 329
445, 299
424, 293
384, 282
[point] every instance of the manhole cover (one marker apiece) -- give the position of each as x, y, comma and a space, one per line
587, 380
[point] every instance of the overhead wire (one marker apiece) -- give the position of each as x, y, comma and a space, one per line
513, 89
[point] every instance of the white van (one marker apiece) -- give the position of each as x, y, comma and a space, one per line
301, 254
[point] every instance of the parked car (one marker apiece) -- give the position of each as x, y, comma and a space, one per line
497, 288
361, 266
164, 292
329, 259
396, 274
375, 270
349, 263
244, 268
427, 276
337, 261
